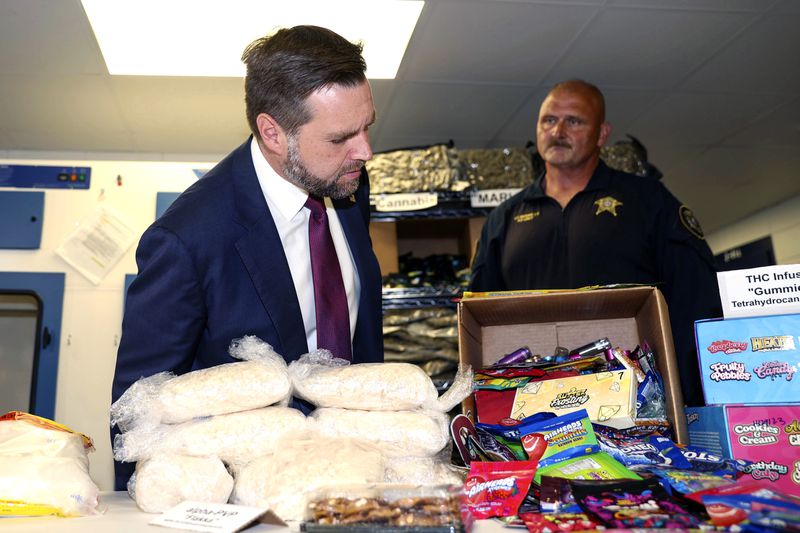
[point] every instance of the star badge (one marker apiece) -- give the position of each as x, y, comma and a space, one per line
607, 204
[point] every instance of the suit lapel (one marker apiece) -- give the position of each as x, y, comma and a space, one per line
261, 252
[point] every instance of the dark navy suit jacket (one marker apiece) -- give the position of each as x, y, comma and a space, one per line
212, 269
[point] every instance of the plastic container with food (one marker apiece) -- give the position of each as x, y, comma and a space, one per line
386, 508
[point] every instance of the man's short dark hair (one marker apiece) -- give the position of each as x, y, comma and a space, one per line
585, 87
283, 69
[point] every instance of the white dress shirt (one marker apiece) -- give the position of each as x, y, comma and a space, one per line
286, 202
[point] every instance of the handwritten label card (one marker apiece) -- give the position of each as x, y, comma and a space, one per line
216, 517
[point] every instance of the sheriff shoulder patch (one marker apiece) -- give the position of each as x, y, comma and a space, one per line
690, 222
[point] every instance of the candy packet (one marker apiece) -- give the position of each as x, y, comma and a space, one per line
597, 466
702, 460
558, 439
681, 482
638, 452
553, 522
497, 488
507, 434
632, 504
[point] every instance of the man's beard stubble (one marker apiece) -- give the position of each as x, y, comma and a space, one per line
297, 172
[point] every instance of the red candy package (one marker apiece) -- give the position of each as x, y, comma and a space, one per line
497, 488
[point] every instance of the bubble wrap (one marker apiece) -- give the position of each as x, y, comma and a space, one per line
422, 471
394, 433
496, 168
261, 379
416, 170
281, 481
326, 381
234, 438
166, 480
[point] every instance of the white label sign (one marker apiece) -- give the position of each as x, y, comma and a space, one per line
217, 517
405, 202
491, 197
773, 290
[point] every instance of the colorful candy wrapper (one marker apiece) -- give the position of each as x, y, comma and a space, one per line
558, 439
728, 512
776, 514
598, 466
498, 488
681, 482
635, 452
506, 437
632, 504
704, 461
557, 522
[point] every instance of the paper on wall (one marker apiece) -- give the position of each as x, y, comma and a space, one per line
97, 244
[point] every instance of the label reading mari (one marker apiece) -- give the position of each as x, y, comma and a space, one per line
491, 197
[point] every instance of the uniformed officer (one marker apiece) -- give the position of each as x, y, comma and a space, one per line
582, 223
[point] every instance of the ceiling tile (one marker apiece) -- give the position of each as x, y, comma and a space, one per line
787, 6
450, 110
522, 124
645, 48
159, 110
721, 5
781, 127
694, 118
759, 60
726, 184
44, 36
494, 42
624, 107
100, 139
79, 108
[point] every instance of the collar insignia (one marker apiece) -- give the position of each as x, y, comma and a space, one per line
526, 217
607, 204
352, 198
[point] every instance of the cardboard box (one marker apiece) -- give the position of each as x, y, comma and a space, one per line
767, 435
749, 361
491, 327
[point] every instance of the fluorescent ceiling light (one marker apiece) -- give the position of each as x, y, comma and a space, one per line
207, 38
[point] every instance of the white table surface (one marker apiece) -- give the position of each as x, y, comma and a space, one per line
122, 516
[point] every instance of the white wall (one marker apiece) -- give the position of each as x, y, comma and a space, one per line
92, 314
781, 221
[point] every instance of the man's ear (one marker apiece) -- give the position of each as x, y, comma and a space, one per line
270, 133
605, 132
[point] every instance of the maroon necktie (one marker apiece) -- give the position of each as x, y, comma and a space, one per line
330, 298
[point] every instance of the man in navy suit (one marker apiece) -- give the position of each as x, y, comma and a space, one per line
230, 257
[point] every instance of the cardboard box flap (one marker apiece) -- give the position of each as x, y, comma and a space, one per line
559, 306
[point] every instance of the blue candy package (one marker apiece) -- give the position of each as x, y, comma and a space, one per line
636, 453
558, 439
703, 460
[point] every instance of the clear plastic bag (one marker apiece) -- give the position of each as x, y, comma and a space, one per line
259, 380
234, 438
169, 479
281, 481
